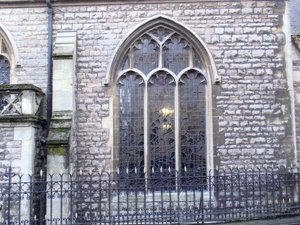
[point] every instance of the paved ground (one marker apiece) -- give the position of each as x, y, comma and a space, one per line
279, 221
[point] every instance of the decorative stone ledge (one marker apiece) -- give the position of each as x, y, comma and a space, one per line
59, 132
21, 103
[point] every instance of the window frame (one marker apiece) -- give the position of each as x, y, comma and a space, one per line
12, 54
209, 71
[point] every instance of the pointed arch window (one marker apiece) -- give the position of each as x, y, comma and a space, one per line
4, 63
161, 124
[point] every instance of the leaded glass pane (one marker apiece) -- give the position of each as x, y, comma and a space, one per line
161, 125
161, 33
4, 70
125, 64
176, 54
145, 54
131, 129
4, 48
197, 61
192, 125
158, 48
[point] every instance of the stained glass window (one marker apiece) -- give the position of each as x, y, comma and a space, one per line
131, 126
161, 124
4, 63
192, 124
161, 96
145, 54
4, 70
176, 54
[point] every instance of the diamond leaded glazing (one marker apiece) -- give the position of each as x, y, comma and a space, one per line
161, 97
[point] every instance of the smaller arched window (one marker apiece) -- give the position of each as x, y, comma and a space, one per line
4, 63
9, 57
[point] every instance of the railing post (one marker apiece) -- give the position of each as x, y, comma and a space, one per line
9, 175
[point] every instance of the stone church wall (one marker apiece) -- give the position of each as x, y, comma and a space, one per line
10, 149
28, 28
252, 123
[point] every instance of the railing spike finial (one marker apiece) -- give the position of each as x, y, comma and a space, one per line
41, 173
161, 169
152, 169
80, 171
135, 170
127, 170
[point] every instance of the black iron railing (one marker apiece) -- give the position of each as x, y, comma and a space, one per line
98, 198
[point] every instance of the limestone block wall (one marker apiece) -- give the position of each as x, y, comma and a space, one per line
251, 106
18, 148
10, 149
28, 28
252, 115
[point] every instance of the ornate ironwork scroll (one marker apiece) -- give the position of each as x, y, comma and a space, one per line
131, 128
4, 70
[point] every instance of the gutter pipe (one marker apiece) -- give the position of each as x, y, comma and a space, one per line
50, 66
45, 129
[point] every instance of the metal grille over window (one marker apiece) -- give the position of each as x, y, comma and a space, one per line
4, 70
162, 111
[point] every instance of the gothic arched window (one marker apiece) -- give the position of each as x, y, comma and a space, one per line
4, 63
161, 93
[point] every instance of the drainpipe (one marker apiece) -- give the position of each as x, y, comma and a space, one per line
50, 66
45, 129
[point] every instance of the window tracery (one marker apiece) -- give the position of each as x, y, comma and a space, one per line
162, 107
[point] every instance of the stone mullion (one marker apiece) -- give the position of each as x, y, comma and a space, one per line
177, 126
147, 156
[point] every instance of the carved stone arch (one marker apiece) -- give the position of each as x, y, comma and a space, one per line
205, 67
9, 52
199, 45
13, 54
